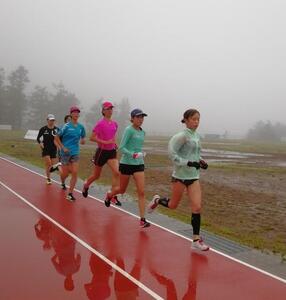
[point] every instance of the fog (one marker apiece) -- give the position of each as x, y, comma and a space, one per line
225, 58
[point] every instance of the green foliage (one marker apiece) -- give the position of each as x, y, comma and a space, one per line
30, 111
122, 116
61, 102
42, 102
39, 105
94, 114
266, 131
16, 98
3, 98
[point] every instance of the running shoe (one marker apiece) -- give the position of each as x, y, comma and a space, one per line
200, 245
63, 185
144, 223
84, 191
115, 200
70, 197
107, 200
48, 181
55, 167
153, 204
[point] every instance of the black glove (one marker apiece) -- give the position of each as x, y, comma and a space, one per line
194, 164
203, 164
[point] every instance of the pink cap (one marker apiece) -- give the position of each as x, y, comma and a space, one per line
107, 104
74, 109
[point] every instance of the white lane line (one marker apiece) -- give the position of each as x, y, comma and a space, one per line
87, 246
166, 229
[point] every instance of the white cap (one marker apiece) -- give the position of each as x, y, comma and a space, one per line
50, 117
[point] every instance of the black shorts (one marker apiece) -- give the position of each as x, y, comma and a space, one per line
52, 153
125, 169
186, 182
101, 156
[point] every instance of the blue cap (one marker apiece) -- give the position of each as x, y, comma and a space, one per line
137, 112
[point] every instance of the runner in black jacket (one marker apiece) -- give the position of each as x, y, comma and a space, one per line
45, 139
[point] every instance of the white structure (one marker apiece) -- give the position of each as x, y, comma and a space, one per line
31, 134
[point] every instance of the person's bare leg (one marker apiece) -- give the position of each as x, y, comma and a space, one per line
177, 191
114, 166
94, 176
74, 170
65, 173
48, 164
123, 184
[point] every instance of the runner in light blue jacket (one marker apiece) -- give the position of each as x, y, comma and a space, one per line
184, 150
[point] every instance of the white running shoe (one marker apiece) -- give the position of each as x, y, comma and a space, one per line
153, 204
55, 167
200, 245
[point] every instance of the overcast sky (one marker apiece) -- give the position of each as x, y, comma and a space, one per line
225, 57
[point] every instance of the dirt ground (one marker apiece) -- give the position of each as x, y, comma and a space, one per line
252, 206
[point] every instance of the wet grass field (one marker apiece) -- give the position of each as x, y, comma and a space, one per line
244, 196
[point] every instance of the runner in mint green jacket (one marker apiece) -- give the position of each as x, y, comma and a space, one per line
184, 150
132, 162
184, 147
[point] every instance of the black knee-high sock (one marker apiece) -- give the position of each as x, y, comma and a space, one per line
164, 201
196, 223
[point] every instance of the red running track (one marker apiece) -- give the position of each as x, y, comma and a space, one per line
54, 249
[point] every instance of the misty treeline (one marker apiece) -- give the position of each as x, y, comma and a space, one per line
23, 110
266, 131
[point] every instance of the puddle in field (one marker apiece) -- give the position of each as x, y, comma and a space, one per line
231, 154
225, 156
281, 164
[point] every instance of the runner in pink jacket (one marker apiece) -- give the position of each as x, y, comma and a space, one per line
104, 134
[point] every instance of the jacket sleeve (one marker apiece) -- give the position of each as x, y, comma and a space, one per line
176, 142
125, 138
40, 134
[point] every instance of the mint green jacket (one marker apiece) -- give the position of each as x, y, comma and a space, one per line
183, 147
132, 142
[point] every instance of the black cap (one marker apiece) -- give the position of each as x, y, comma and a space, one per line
137, 112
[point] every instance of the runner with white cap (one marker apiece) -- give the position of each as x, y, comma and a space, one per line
45, 139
